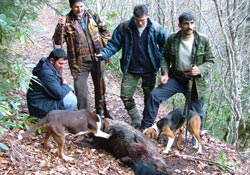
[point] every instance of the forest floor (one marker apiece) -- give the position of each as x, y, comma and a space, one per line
29, 156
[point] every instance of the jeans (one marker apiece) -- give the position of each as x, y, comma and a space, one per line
70, 102
175, 84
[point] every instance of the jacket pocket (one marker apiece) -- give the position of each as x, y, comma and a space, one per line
200, 58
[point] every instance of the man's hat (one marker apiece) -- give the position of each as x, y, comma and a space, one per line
72, 2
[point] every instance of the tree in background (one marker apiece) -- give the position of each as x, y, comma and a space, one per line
233, 17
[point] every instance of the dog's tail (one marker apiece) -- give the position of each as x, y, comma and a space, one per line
32, 129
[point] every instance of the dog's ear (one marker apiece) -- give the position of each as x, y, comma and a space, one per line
95, 117
106, 125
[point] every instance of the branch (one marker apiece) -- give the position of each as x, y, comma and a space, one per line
243, 19
210, 162
21, 12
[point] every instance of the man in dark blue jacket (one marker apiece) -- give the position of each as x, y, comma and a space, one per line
48, 90
141, 40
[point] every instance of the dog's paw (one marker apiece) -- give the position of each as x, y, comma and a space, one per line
199, 150
106, 135
20, 137
165, 151
109, 135
195, 143
48, 145
67, 158
103, 135
180, 148
195, 146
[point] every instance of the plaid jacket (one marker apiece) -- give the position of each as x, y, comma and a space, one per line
76, 44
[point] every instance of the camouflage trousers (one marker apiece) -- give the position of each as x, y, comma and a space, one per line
129, 85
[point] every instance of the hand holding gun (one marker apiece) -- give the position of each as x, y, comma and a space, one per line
194, 71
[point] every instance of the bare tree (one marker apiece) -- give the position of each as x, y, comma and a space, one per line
232, 17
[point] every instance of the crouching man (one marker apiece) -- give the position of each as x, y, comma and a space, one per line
48, 90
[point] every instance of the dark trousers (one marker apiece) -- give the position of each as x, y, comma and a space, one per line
175, 84
81, 85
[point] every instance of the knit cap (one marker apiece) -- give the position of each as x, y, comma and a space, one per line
72, 2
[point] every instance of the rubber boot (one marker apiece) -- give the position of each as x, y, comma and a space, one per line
135, 118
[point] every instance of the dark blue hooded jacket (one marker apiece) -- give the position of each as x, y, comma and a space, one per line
46, 91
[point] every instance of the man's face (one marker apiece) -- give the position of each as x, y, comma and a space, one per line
78, 9
187, 27
59, 64
141, 21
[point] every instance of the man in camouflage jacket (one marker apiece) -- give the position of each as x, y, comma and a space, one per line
187, 53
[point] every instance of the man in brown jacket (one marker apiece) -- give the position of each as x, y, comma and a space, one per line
85, 35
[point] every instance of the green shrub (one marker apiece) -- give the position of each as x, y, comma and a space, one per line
15, 16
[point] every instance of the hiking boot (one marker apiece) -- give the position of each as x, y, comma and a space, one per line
135, 118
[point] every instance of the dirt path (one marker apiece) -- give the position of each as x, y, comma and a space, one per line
29, 156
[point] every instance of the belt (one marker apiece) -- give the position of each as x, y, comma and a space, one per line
185, 74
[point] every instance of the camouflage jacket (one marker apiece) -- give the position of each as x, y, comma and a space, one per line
202, 56
98, 33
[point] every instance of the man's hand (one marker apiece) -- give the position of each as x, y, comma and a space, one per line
65, 81
194, 70
164, 78
70, 92
62, 20
98, 56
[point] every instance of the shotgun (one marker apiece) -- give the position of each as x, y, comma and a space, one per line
188, 103
104, 113
189, 90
